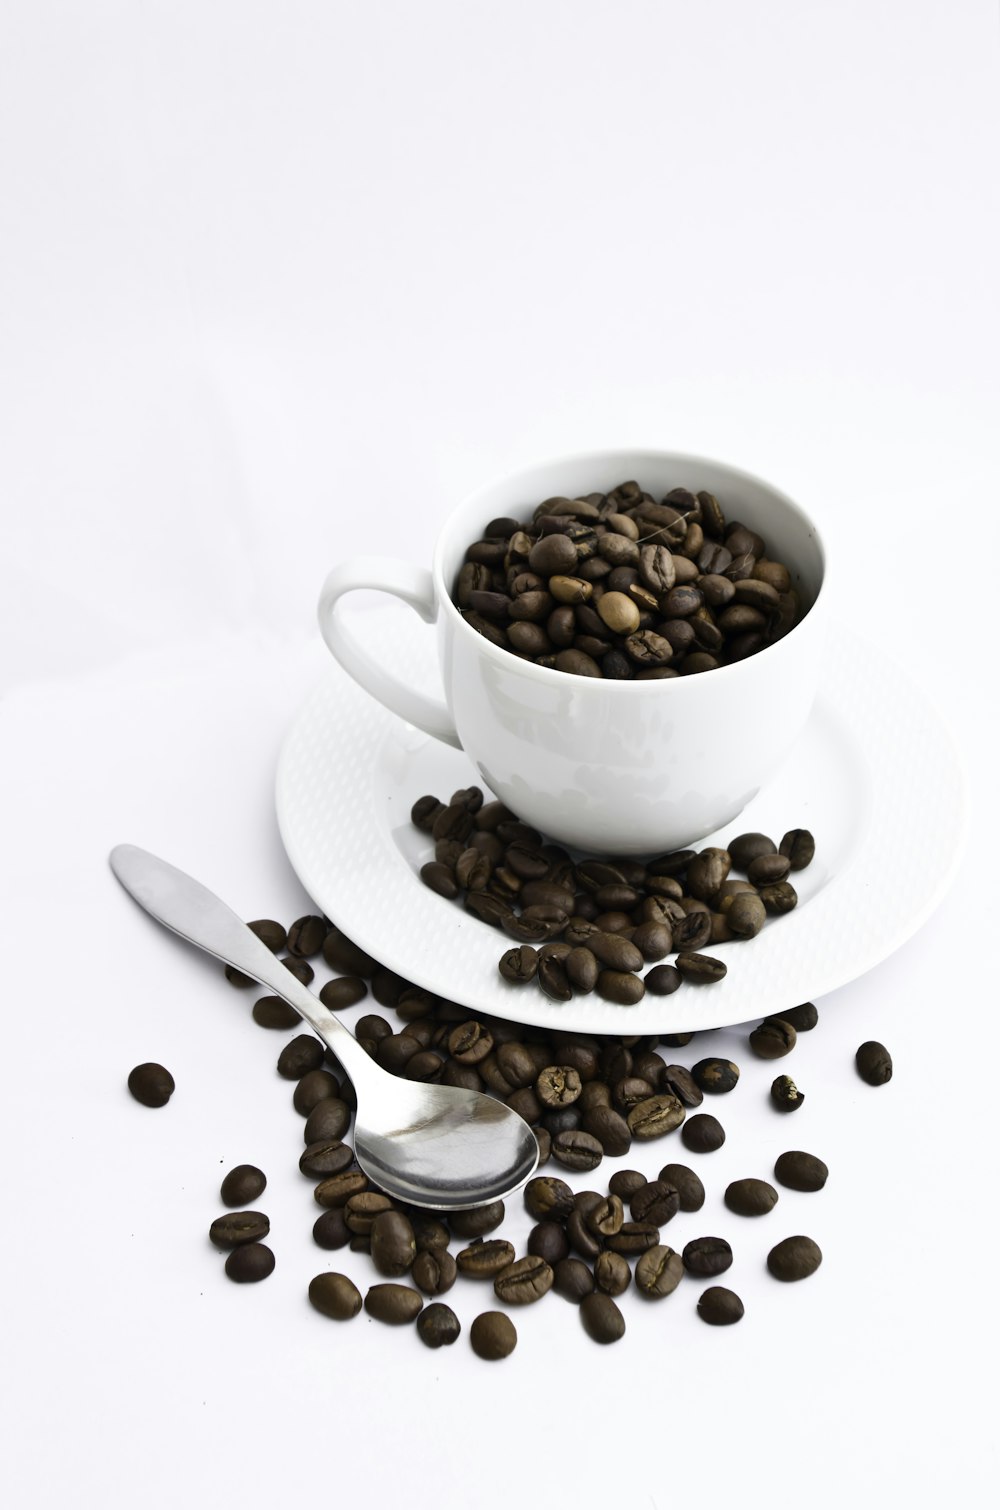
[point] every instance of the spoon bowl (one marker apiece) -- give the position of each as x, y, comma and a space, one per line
434, 1146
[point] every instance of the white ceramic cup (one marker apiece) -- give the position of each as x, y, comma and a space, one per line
618, 767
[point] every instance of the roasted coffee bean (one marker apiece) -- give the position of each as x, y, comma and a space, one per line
629, 1091
393, 1245
361, 1210
654, 1117
606, 1217
489, 909
690, 1190
609, 1128
299, 1056
546, 1197
329, 1119
345, 991
800, 1171
719, 1306
615, 952
715, 1076
335, 1295
700, 968
431, 1234
553, 979
707, 1256
572, 1280
580, 1238
773, 1038
802, 1018
655, 1201
794, 1258
250, 1263
703, 1133
558, 1085
524, 1281
750, 1197
602, 1320
707, 871
620, 987
438, 1326
577, 1150
270, 933
151, 1084
238, 1227
874, 1063
300, 968
745, 916
434, 1271
681, 1083
440, 878
273, 1012
612, 1275
767, 870
663, 980
338, 1189
477, 1221
779, 898
520, 965
746, 848
653, 940
625, 1182
396, 1305
582, 968
238, 979
243, 1185
312, 1088
330, 1230
306, 935
548, 1240
785, 1094
634, 1237
485, 1258
658, 1272
799, 846
425, 809
493, 1336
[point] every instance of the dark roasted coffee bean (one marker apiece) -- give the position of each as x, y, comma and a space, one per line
434, 1271
580, 1238
301, 1055
485, 1257
546, 1197
270, 933
874, 1063
582, 968
654, 1117
242, 1185
707, 871
440, 878
658, 1272
800, 1171
746, 848
238, 979
345, 991
620, 987
553, 979
676, 1040
337, 1189
692, 932
612, 1275
605, 1219
393, 1245
335, 1295
493, 1336
700, 968
425, 809
785, 1094
719, 1306
488, 908
577, 1150
362, 1209
524, 1281
663, 980
773, 1038
151, 1084
300, 968
602, 1320
572, 1279
800, 847
610, 1129
477, 1221
779, 898
396, 1305
656, 1201
558, 1085
768, 870
273, 1012
794, 1258
634, 1237
802, 1018
306, 935
239, 1227
520, 965
548, 1240
715, 1076
745, 916
330, 1230
703, 1133
614, 952
395, 1052
438, 1326
653, 940
329, 1118
250, 1263
690, 1190
707, 1256
681, 1083
750, 1197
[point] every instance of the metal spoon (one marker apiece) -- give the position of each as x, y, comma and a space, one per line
428, 1145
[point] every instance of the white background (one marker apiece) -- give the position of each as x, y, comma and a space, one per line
279, 281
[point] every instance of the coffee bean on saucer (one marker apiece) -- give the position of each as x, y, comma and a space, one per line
799, 846
335, 1295
493, 1336
702, 969
719, 1306
242, 1185
794, 1258
663, 980
151, 1084
250, 1263
874, 1063
745, 848
800, 1171
785, 1094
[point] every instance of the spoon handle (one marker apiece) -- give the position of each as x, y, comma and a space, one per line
182, 904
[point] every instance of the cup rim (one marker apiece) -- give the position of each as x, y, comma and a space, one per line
629, 686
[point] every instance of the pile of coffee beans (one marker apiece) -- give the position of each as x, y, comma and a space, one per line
594, 924
621, 586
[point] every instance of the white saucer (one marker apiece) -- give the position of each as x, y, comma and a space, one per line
874, 776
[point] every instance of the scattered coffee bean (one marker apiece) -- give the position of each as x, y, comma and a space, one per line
330, 1230
785, 1094
493, 1336
485, 1259
438, 1326
802, 1018
434, 1271
305, 936
396, 1305
800, 1171
773, 1038
249, 1263
707, 1256
794, 1258
239, 1227
243, 1185
393, 1245
524, 1281
874, 1063
703, 1133
270, 933
602, 1320
750, 1197
715, 1076
301, 1055
572, 1279
345, 991
335, 1295
151, 1084
658, 1272
690, 1190
719, 1306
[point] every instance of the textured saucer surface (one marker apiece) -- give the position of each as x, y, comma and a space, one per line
874, 776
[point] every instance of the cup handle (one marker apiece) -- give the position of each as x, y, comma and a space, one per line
415, 586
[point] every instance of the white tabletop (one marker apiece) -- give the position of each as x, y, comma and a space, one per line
283, 284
